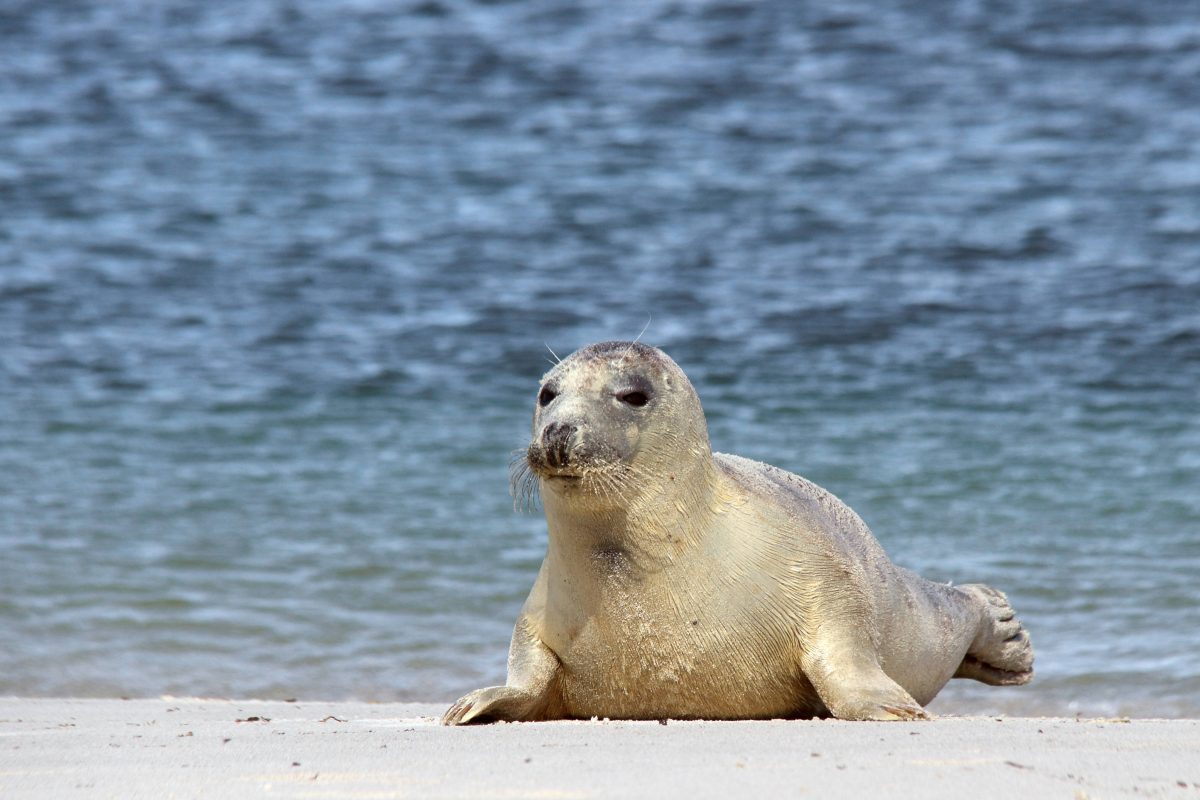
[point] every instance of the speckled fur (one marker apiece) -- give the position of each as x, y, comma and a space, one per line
689, 584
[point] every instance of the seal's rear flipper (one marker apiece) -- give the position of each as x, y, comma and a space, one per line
1001, 654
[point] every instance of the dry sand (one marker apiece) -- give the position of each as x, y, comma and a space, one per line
170, 747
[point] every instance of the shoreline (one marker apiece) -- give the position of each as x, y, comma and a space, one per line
187, 747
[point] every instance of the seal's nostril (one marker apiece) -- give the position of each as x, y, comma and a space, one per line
556, 431
556, 437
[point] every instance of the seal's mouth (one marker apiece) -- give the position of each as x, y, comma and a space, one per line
560, 477
552, 473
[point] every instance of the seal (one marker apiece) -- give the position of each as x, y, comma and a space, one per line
682, 583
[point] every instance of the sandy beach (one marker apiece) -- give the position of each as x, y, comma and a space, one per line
180, 748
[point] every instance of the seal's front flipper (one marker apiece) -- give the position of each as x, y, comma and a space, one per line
533, 672
868, 706
493, 704
883, 703
852, 685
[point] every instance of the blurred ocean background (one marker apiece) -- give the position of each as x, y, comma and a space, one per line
277, 279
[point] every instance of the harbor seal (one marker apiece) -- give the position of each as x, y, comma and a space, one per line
682, 583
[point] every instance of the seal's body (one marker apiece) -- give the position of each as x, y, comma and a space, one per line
689, 584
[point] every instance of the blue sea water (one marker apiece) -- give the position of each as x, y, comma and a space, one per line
277, 279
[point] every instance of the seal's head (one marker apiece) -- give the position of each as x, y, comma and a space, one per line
612, 418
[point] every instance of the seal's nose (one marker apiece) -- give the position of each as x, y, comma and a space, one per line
556, 439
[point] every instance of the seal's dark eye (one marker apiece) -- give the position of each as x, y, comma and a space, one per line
637, 399
546, 395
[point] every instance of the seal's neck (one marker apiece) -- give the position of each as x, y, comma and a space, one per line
648, 524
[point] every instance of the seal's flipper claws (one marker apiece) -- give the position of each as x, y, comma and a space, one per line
907, 712
453, 714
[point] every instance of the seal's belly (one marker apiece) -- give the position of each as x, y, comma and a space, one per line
652, 667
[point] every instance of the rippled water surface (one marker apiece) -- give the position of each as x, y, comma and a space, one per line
276, 279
